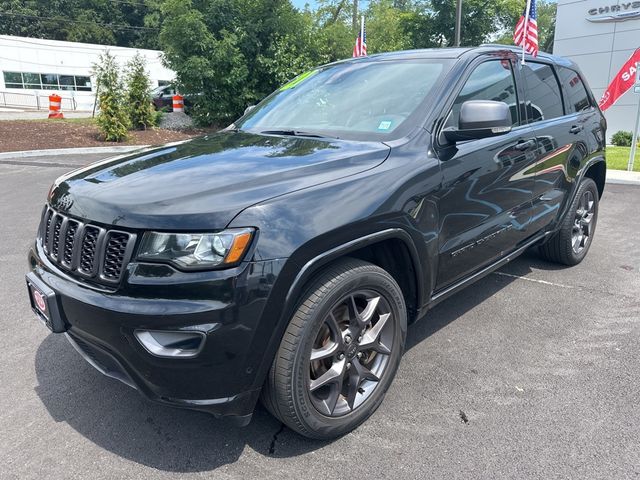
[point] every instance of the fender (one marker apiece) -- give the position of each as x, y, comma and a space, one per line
324, 258
574, 190
312, 266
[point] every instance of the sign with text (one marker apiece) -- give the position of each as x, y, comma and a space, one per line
623, 81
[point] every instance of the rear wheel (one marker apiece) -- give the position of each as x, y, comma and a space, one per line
571, 243
340, 351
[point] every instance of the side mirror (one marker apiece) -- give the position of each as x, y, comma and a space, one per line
249, 108
480, 119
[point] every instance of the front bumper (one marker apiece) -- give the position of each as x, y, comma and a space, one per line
226, 306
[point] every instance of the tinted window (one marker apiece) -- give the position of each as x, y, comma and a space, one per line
32, 80
66, 82
491, 80
13, 79
544, 100
83, 84
49, 81
46, 81
577, 96
358, 100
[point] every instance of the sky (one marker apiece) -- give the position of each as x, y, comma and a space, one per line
313, 3
301, 3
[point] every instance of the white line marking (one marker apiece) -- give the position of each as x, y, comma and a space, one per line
533, 280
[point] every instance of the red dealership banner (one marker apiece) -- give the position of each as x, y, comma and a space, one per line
622, 82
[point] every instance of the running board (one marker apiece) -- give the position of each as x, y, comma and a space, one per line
447, 292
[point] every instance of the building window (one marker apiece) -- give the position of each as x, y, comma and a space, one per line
83, 84
13, 80
47, 81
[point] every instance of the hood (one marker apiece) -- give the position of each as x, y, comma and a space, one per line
204, 182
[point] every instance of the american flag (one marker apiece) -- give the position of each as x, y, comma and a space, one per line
526, 33
360, 48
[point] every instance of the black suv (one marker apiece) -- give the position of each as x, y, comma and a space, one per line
284, 257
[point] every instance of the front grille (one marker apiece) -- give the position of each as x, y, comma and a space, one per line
86, 250
55, 244
69, 239
114, 254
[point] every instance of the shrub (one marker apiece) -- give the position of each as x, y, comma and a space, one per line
138, 96
112, 120
622, 138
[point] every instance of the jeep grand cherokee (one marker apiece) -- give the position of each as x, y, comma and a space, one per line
284, 257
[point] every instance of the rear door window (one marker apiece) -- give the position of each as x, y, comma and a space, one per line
577, 97
544, 100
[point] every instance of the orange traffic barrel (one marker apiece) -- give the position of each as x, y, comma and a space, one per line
55, 104
178, 103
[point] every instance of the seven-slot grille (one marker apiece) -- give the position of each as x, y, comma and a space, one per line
88, 250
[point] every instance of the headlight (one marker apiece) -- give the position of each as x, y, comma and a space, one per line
196, 250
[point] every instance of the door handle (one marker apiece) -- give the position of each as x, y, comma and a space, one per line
522, 145
576, 129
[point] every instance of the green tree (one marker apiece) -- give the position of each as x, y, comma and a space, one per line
433, 25
547, 11
125, 23
208, 65
384, 26
112, 119
138, 97
231, 53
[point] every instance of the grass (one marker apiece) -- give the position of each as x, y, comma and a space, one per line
618, 157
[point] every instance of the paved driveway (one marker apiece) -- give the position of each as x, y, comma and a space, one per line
534, 372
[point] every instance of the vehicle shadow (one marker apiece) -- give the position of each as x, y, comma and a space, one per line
118, 419
454, 307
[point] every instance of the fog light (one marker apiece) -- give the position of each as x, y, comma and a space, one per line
171, 344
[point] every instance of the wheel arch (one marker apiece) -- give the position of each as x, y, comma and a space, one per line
283, 305
597, 171
391, 249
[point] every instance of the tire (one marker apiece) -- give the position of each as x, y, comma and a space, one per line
353, 320
580, 219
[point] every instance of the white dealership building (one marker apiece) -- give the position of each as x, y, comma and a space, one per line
31, 69
600, 36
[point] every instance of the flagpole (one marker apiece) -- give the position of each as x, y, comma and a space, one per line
362, 29
634, 141
458, 23
526, 25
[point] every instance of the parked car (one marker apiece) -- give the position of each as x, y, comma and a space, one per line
162, 98
284, 257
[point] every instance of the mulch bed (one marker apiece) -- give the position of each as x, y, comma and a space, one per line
17, 135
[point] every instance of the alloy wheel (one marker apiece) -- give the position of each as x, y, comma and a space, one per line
350, 353
583, 222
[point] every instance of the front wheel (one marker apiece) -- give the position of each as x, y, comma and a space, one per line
571, 243
340, 351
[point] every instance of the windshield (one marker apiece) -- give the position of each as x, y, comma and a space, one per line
361, 100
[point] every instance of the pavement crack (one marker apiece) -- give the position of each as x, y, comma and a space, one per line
274, 439
463, 417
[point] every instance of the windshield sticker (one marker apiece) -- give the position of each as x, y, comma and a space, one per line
299, 79
384, 125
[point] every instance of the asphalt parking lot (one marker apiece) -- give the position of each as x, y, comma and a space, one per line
531, 373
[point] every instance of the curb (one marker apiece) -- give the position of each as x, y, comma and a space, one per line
623, 182
70, 151
622, 177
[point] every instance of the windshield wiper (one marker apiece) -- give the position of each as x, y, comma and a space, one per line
294, 133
